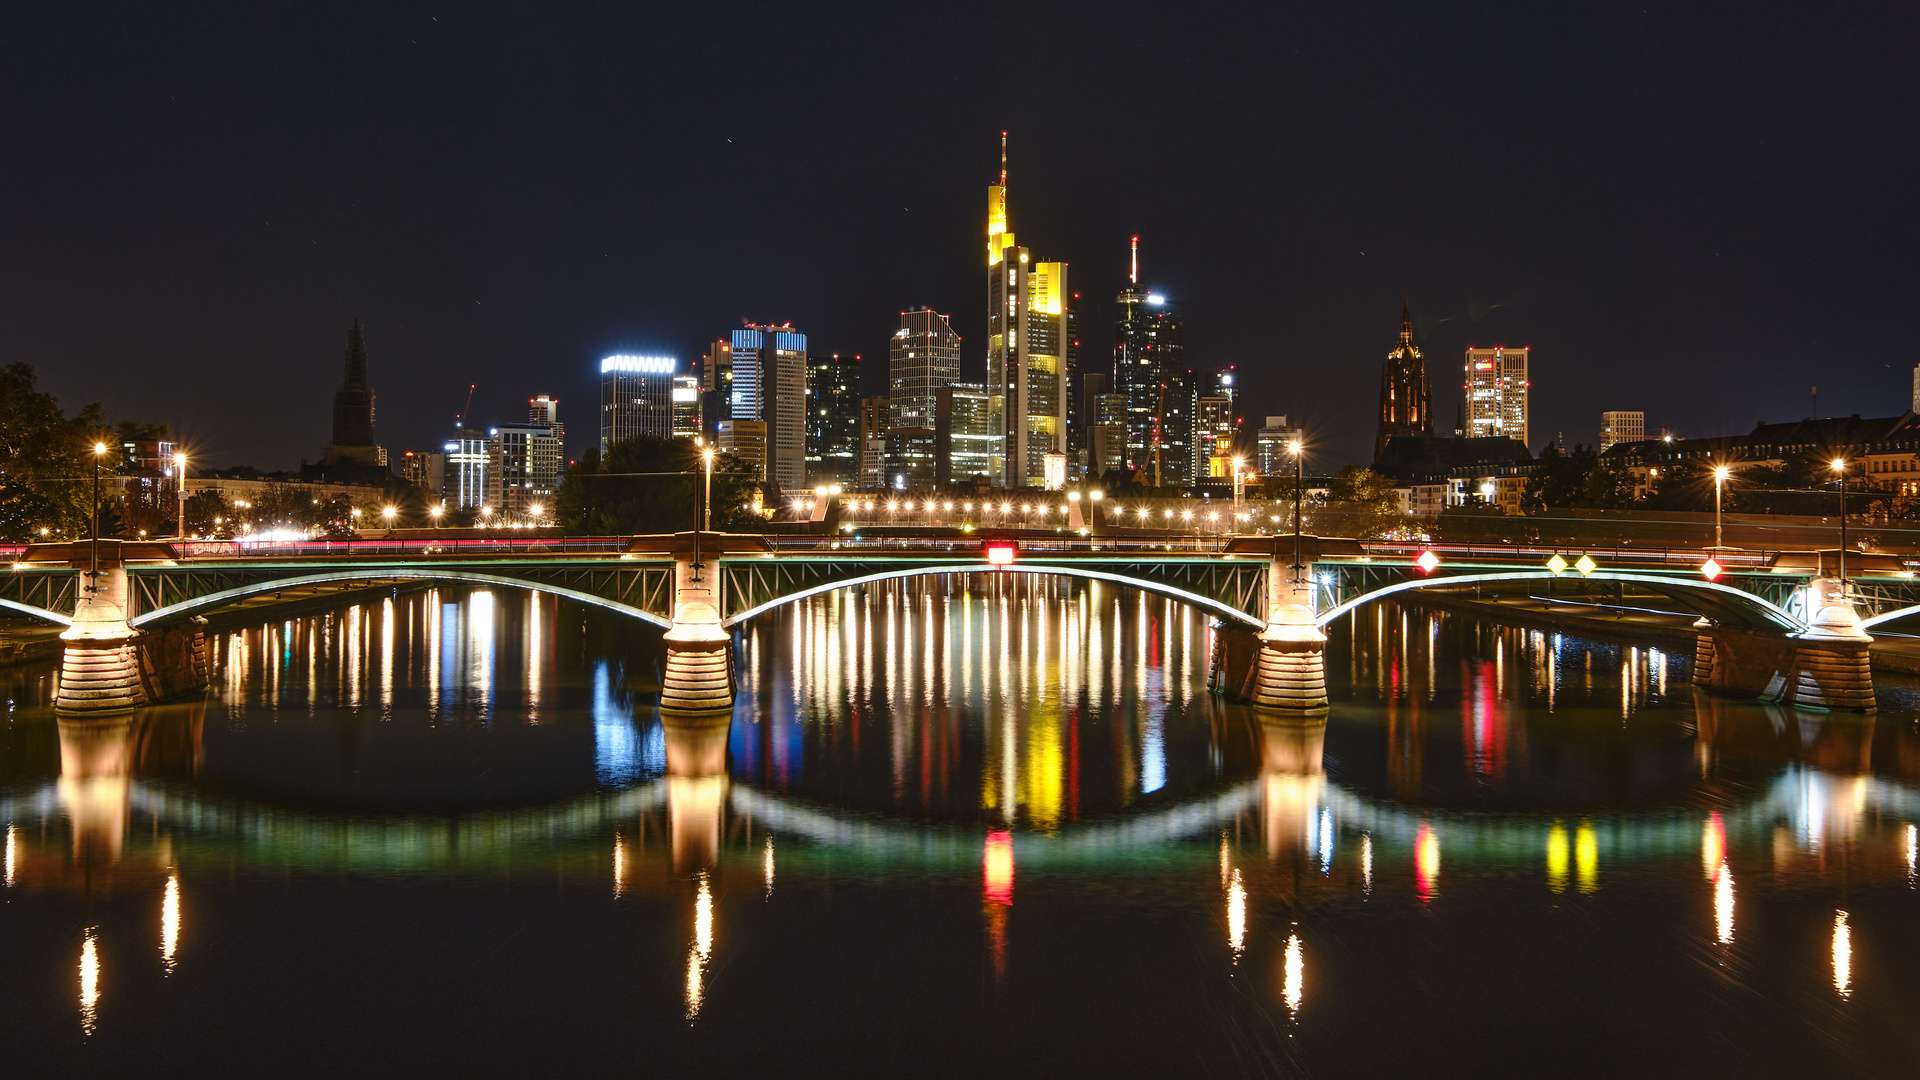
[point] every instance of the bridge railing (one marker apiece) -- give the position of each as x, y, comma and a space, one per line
451, 545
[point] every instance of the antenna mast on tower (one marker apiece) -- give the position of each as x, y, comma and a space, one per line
1003, 159
1133, 275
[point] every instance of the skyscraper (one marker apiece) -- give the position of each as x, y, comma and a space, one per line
833, 420
635, 398
469, 461
770, 385
1028, 346
1150, 368
1406, 391
923, 356
1496, 393
525, 467
875, 415
963, 434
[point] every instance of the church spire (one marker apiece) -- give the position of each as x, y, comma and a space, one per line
356, 357
1406, 320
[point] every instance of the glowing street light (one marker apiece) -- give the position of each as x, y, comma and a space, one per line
1299, 484
93, 574
180, 487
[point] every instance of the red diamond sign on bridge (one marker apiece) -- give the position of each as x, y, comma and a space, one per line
1427, 561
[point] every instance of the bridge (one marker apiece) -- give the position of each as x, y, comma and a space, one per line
1773, 625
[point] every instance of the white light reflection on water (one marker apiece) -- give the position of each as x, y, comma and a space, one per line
768, 865
90, 981
702, 947
1236, 915
170, 923
1842, 955
1366, 863
1294, 988
1723, 905
13, 852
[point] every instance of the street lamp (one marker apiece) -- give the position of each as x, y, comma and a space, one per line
706, 498
1719, 481
93, 574
1839, 467
434, 513
1299, 484
180, 486
1239, 483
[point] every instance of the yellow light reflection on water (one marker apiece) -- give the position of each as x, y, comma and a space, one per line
1366, 862
13, 853
1723, 905
1237, 915
1912, 845
1586, 857
1842, 955
90, 981
702, 947
1296, 968
1426, 862
619, 865
1557, 852
170, 923
1713, 846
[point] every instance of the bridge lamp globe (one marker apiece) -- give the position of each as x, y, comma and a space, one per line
1096, 494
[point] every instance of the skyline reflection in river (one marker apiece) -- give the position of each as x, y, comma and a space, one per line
457, 828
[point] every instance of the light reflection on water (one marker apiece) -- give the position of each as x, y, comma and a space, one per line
1048, 756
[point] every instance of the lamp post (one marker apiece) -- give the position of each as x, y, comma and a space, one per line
1719, 481
1239, 483
180, 487
706, 496
1299, 485
1840, 469
93, 572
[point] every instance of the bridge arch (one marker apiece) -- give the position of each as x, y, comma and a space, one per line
1204, 603
1888, 616
38, 613
386, 573
1720, 602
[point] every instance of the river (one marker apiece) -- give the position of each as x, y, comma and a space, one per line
1007, 832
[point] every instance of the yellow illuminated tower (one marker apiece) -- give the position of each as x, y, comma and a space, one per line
1028, 343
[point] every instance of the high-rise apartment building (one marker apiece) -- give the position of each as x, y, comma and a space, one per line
425, 470
685, 398
1406, 390
833, 420
1273, 446
1617, 427
1107, 434
745, 440
769, 365
1496, 393
963, 434
635, 398
875, 414
524, 468
1213, 436
923, 356
1028, 348
469, 460
1150, 368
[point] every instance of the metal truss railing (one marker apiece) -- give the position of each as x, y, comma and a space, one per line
53, 590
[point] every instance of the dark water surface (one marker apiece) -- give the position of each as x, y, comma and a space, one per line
1004, 834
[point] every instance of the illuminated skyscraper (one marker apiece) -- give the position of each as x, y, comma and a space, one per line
964, 434
770, 385
833, 420
1150, 368
634, 398
1028, 348
1406, 391
686, 406
923, 356
1496, 393
1618, 427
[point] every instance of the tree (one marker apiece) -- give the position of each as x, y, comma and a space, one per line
24, 512
649, 484
1580, 480
208, 513
42, 447
1360, 503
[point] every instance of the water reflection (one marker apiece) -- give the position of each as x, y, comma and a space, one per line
903, 760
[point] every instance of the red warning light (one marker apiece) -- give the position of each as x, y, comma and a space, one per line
1000, 553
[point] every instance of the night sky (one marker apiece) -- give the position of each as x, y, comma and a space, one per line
1696, 213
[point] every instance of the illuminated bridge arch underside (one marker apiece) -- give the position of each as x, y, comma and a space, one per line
1722, 603
639, 590
1243, 582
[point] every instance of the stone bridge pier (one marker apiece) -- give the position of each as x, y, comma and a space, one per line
699, 669
1282, 667
106, 665
1825, 666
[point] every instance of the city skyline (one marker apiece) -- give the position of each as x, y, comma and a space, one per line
246, 244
